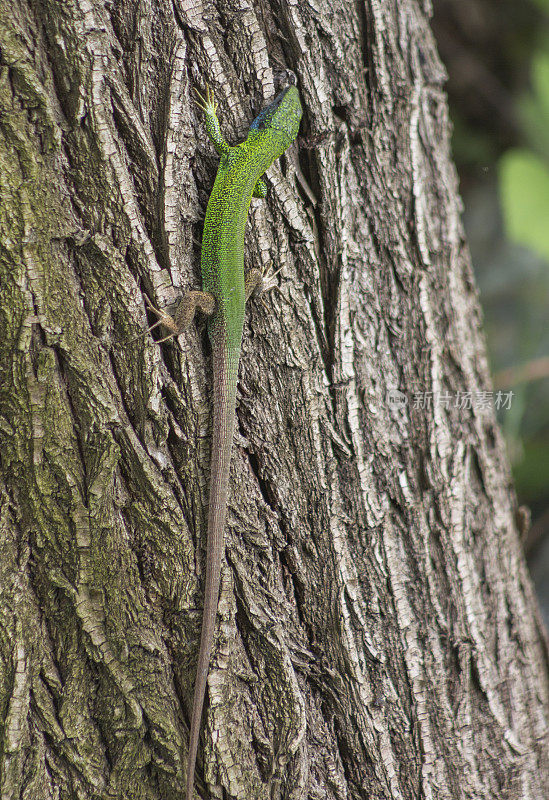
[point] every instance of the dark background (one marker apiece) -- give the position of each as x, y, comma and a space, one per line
497, 56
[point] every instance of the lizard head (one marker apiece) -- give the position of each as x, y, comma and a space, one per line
280, 119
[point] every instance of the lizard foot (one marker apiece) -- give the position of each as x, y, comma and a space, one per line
260, 281
205, 101
163, 319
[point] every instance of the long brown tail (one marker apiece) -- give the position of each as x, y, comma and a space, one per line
225, 370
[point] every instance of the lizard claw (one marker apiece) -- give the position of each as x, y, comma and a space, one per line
258, 282
268, 282
164, 319
205, 101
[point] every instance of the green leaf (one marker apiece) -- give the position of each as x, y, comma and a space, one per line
540, 79
524, 185
543, 4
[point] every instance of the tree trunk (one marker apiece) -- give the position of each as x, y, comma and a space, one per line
377, 633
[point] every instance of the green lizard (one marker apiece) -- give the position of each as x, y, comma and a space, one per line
225, 290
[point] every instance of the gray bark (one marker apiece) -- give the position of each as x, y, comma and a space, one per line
377, 633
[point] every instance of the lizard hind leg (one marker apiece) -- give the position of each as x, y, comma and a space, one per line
183, 313
186, 308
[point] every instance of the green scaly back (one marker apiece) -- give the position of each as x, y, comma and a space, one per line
239, 171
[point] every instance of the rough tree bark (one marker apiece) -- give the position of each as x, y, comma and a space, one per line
377, 633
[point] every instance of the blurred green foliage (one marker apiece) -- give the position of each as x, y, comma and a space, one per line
497, 56
533, 107
523, 174
524, 186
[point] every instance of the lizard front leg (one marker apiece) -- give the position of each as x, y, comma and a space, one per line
256, 282
260, 189
208, 105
